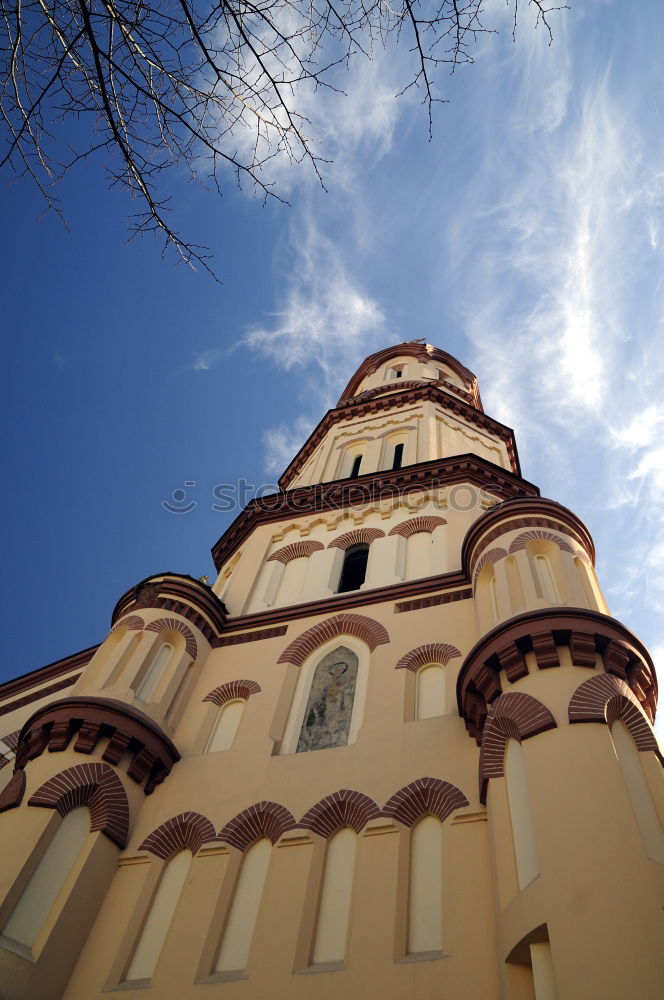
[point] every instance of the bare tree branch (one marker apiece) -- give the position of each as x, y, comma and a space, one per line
214, 86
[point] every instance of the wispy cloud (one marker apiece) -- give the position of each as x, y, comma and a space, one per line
560, 237
210, 358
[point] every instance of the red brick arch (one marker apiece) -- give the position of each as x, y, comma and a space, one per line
433, 652
188, 830
132, 622
370, 631
295, 550
515, 715
605, 698
342, 808
492, 556
356, 537
522, 540
427, 523
264, 819
96, 786
175, 625
231, 691
424, 797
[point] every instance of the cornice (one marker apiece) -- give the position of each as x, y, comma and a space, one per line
585, 632
341, 602
423, 353
518, 509
180, 594
432, 392
373, 488
132, 736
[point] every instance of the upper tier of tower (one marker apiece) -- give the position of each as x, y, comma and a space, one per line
407, 404
408, 365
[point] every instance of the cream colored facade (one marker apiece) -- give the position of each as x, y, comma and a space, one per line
399, 748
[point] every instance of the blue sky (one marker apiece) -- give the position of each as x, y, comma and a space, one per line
525, 239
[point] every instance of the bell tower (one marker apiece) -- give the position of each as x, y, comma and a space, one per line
399, 744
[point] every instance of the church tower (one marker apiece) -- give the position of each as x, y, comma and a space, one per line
399, 748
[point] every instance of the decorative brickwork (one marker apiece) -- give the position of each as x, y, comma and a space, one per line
241, 637
585, 633
424, 797
433, 600
188, 830
11, 742
12, 794
522, 540
132, 622
231, 691
96, 786
492, 556
421, 352
433, 652
131, 734
514, 715
374, 487
408, 528
265, 819
343, 808
367, 629
11, 739
179, 594
296, 550
175, 625
523, 512
604, 698
356, 537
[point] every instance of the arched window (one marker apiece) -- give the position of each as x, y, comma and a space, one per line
148, 685
639, 793
354, 569
543, 976
523, 834
397, 458
241, 922
226, 726
26, 919
419, 547
425, 910
155, 929
430, 697
335, 899
355, 468
329, 709
493, 594
545, 579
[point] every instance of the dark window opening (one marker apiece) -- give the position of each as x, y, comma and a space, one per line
398, 456
355, 471
398, 372
354, 568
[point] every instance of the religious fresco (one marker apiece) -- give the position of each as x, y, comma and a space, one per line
330, 706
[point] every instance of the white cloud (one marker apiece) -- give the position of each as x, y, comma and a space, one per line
282, 443
204, 360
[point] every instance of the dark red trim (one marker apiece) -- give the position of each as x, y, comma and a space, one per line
370, 489
38, 694
423, 391
179, 593
152, 754
42, 674
522, 510
585, 632
411, 350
